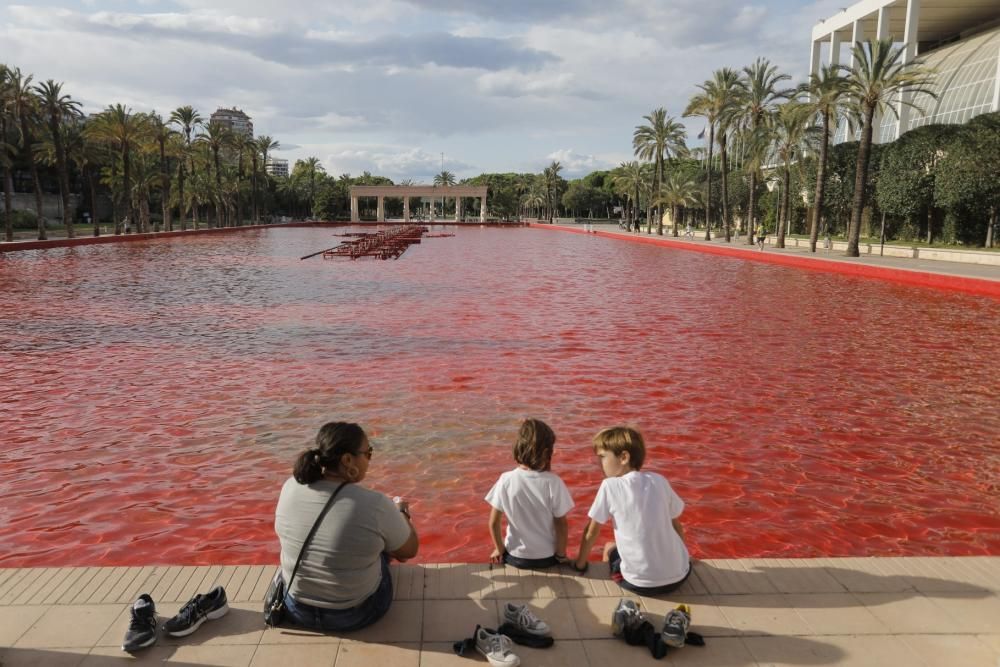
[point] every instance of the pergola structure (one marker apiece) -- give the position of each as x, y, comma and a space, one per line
920, 25
406, 192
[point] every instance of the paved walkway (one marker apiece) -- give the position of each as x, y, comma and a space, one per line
923, 265
883, 612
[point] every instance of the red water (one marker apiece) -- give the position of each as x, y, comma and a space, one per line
154, 394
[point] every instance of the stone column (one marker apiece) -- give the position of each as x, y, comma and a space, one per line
910, 39
458, 209
834, 48
406, 209
482, 209
354, 210
380, 216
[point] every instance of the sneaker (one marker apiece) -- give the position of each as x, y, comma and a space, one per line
675, 626
210, 606
141, 631
625, 615
519, 615
496, 648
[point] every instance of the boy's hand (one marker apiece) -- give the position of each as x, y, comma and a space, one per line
496, 557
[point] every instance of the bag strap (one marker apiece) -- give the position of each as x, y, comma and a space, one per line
312, 532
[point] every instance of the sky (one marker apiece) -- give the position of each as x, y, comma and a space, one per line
388, 86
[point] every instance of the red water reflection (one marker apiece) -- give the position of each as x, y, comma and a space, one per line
154, 394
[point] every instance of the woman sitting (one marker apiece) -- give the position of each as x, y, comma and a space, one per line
343, 581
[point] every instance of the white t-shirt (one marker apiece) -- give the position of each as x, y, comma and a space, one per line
530, 499
642, 505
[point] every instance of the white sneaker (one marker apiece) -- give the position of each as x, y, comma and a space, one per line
496, 648
523, 618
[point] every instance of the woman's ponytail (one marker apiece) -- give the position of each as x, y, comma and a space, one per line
308, 468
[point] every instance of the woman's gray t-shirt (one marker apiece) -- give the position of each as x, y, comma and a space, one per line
342, 565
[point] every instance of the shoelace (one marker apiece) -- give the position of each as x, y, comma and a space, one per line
191, 607
526, 619
140, 622
500, 644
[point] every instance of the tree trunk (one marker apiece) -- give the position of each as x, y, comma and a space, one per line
63, 170
991, 226
253, 189
785, 207
8, 191
751, 207
708, 187
860, 180
820, 184
725, 187
659, 183
930, 224
675, 214
168, 224
194, 212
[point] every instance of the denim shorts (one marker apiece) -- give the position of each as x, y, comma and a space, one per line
370, 610
615, 564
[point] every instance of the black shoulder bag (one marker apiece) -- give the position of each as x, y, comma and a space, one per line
274, 599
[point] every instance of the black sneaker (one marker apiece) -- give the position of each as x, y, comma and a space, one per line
141, 631
210, 606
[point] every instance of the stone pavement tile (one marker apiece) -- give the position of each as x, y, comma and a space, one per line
42, 657
510, 583
360, 654
593, 616
836, 614
440, 654
556, 613
455, 581
800, 576
111, 655
407, 581
964, 650
611, 651
15, 621
292, 655
783, 651
706, 617
993, 641
761, 615
291, 635
731, 576
216, 656
76, 626
717, 652
564, 653
866, 575
402, 623
980, 615
451, 620
912, 614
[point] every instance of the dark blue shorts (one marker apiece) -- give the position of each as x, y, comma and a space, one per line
615, 564
372, 609
529, 563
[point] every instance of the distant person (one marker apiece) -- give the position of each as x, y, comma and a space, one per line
648, 555
535, 502
689, 231
761, 236
343, 581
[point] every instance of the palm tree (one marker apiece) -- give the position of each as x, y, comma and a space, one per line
550, 177
84, 154
677, 191
188, 120
162, 134
827, 91
877, 78
25, 109
57, 109
124, 130
313, 167
7, 121
217, 137
661, 138
629, 181
444, 179
759, 100
715, 104
792, 132
266, 145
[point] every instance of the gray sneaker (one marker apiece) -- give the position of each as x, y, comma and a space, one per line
625, 615
675, 626
520, 616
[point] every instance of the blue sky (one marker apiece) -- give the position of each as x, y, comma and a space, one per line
388, 85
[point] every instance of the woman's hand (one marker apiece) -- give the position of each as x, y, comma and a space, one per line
496, 558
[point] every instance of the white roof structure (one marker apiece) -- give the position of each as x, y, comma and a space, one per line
959, 39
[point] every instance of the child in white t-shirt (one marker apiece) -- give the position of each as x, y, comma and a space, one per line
648, 555
535, 502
